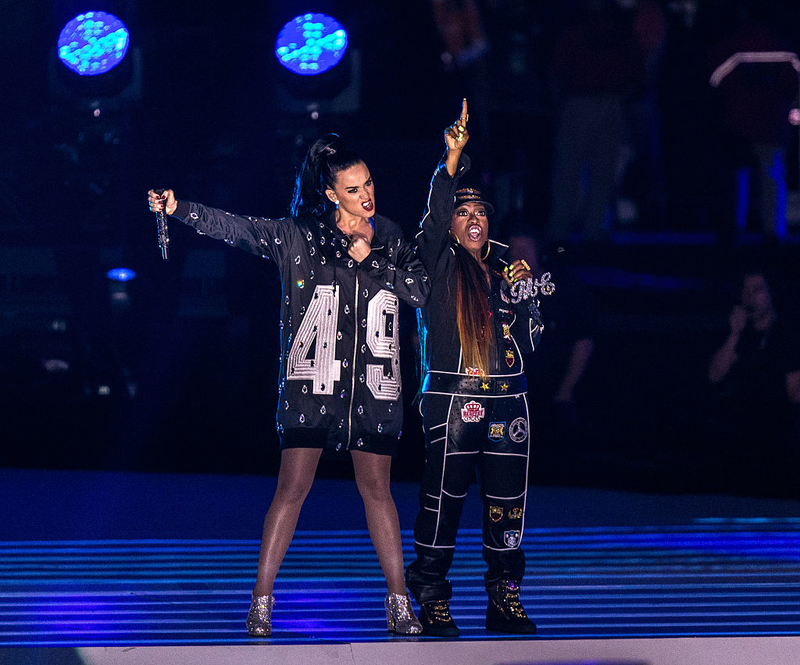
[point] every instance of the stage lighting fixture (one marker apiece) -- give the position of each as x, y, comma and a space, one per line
93, 43
311, 44
121, 274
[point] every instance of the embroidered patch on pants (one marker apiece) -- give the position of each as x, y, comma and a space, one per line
497, 431
472, 412
518, 431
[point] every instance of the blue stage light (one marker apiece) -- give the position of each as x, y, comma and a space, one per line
93, 43
121, 274
311, 44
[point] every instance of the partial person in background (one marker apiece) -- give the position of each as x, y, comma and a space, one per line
755, 380
753, 101
460, 26
642, 176
343, 270
464, 55
596, 63
556, 371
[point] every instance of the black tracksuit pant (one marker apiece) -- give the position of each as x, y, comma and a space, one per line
465, 434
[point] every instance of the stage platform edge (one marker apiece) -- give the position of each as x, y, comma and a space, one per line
636, 651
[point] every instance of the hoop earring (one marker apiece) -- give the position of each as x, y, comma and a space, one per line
488, 249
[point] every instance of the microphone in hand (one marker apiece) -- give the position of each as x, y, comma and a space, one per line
163, 232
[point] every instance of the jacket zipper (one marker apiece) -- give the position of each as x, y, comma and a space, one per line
355, 355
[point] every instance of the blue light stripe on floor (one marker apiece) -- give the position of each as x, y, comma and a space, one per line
714, 579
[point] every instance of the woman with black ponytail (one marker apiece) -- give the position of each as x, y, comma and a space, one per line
343, 270
474, 407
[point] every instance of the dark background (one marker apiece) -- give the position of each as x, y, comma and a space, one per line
176, 370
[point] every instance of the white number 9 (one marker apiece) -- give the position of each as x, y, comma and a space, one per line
320, 324
382, 341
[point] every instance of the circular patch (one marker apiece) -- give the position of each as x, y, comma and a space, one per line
518, 430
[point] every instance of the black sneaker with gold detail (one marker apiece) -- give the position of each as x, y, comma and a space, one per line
436, 620
505, 613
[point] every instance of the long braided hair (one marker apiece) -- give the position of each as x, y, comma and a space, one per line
473, 316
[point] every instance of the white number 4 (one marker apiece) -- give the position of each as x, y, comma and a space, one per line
320, 324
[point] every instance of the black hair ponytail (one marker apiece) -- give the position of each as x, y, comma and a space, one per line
325, 159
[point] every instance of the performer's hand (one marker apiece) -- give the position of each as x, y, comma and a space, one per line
166, 201
456, 135
517, 271
359, 247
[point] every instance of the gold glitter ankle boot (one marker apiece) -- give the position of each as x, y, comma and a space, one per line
259, 618
400, 617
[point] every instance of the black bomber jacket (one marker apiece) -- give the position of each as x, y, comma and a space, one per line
517, 325
340, 367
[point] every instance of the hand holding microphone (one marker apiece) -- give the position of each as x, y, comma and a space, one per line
162, 203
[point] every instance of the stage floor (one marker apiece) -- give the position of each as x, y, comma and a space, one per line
146, 568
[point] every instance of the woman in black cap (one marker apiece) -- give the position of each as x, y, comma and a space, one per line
480, 317
343, 270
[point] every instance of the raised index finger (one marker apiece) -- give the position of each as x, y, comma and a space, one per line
464, 114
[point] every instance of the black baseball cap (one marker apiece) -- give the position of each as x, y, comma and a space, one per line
472, 195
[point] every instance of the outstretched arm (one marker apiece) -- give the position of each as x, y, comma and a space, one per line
257, 235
